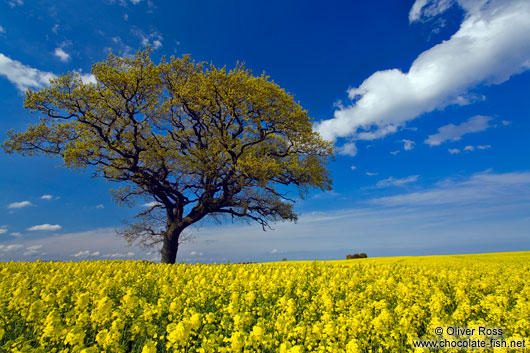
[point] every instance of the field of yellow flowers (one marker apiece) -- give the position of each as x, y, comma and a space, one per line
366, 305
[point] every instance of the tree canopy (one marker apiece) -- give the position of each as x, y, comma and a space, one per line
196, 139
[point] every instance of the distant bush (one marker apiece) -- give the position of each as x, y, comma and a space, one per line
284, 259
356, 256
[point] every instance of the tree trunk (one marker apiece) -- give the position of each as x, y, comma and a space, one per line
171, 245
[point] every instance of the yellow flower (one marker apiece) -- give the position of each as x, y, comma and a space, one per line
149, 347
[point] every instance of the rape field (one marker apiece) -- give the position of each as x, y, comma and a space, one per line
367, 305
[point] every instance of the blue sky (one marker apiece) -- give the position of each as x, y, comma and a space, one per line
427, 102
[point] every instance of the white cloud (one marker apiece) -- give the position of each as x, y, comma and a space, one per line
408, 144
154, 38
3, 230
424, 9
83, 253
454, 150
45, 227
326, 195
470, 148
119, 255
274, 251
397, 182
62, 247
136, 2
2, 30
100, 207
353, 167
151, 204
157, 44
11, 247
453, 132
55, 28
371, 174
348, 149
491, 45
13, 3
23, 76
394, 152
481, 187
32, 250
61, 54
87, 78
15, 234
19, 204
46, 197
506, 122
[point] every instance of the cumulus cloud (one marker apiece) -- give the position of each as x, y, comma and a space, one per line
46, 197
3, 230
15, 234
61, 54
484, 147
86, 78
453, 132
274, 251
23, 76
44, 227
353, 167
408, 144
348, 149
491, 45
454, 150
20, 204
100, 207
397, 182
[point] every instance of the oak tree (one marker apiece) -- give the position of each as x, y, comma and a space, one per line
195, 139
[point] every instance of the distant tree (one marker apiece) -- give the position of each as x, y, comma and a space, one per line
356, 256
196, 140
284, 259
